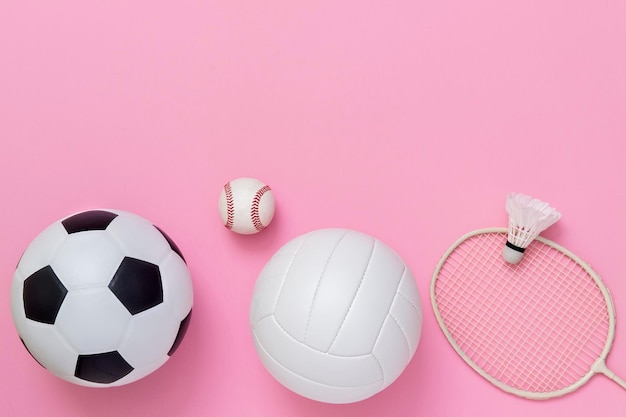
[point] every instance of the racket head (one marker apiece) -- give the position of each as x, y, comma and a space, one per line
495, 314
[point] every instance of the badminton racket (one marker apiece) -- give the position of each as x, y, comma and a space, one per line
538, 329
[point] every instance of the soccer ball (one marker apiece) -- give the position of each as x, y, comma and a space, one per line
336, 315
101, 298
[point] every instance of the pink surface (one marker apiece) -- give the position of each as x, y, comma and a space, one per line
407, 120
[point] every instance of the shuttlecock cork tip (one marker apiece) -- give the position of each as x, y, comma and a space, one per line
528, 217
511, 253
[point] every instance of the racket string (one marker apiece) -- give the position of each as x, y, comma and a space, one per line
525, 330
518, 325
556, 333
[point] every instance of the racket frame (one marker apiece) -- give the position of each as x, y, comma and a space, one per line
599, 366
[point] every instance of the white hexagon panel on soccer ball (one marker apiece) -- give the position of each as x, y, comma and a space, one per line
17, 300
177, 286
42, 249
138, 237
49, 347
140, 372
87, 260
149, 337
92, 320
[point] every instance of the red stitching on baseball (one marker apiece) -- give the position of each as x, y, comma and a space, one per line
254, 211
230, 206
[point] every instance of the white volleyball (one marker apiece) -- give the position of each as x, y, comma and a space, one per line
336, 315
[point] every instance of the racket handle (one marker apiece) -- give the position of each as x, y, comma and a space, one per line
601, 367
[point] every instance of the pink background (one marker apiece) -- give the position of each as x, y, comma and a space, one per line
408, 120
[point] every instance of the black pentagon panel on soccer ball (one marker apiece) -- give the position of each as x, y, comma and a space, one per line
88, 220
102, 368
43, 295
182, 329
172, 244
137, 284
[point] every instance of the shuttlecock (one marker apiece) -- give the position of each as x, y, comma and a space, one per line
527, 218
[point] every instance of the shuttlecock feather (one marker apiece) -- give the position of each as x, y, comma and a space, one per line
527, 218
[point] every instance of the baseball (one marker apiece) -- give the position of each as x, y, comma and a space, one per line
246, 205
